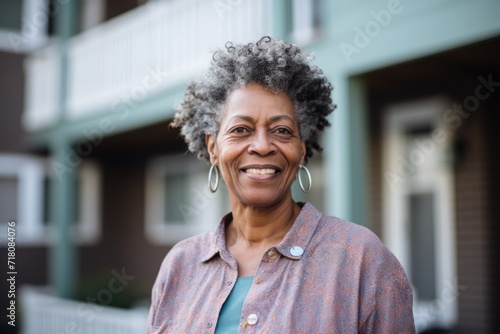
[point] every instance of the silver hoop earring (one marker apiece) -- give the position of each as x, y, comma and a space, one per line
210, 172
301, 167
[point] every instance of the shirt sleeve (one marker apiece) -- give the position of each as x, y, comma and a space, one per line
391, 312
158, 290
386, 304
155, 297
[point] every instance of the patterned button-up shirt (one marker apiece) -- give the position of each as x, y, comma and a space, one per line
326, 276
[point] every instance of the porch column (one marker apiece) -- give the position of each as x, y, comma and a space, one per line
63, 259
63, 253
346, 160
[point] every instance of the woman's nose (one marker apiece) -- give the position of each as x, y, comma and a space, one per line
262, 144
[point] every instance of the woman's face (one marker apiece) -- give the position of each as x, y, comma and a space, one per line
258, 148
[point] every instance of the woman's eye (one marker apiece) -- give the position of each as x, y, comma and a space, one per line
283, 131
240, 129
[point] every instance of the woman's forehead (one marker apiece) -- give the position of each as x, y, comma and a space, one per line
254, 101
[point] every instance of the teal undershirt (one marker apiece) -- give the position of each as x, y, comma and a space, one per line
230, 314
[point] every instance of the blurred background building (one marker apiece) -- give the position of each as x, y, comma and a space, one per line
100, 187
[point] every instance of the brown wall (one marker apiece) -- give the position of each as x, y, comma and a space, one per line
12, 136
472, 223
492, 139
118, 7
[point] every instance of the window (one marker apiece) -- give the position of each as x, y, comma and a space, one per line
21, 190
10, 15
86, 218
178, 201
422, 243
92, 13
25, 198
305, 20
87, 227
8, 198
176, 195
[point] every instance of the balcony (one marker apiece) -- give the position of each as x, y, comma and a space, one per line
150, 49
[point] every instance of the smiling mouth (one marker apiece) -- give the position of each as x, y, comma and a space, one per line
261, 171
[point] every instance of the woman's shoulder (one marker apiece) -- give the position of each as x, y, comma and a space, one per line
331, 231
346, 233
359, 241
362, 246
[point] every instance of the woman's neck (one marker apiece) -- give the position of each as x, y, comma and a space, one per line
261, 227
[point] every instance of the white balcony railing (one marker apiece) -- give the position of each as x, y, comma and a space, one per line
117, 59
155, 46
41, 88
46, 314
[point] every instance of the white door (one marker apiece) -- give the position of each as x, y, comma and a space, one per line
418, 220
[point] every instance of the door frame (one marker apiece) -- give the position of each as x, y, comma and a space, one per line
442, 311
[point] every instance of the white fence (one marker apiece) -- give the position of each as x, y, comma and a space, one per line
46, 314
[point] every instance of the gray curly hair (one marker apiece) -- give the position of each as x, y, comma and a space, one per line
276, 65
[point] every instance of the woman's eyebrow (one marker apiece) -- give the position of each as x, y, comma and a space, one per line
244, 117
271, 119
280, 117
240, 117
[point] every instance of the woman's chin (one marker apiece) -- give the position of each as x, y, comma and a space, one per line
260, 199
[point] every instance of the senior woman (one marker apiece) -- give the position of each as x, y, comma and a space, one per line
271, 265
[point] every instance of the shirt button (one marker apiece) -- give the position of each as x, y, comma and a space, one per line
272, 254
252, 319
229, 282
209, 324
296, 251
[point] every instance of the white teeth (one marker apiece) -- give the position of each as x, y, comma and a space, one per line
261, 171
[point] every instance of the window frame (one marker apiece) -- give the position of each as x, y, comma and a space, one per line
304, 31
29, 172
31, 229
156, 229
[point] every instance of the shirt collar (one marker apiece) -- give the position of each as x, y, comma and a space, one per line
299, 234
217, 238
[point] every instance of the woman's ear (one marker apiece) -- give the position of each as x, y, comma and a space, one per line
212, 148
303, 152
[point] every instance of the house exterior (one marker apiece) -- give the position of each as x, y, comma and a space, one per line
100, 187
